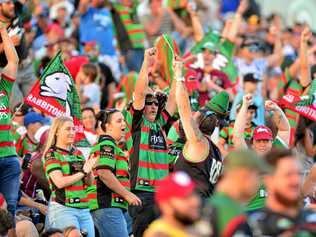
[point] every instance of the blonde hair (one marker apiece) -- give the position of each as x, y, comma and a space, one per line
57, 123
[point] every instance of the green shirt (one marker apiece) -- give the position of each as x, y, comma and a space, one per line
259, 200
229, 213
7, 147
115, 160
69, 163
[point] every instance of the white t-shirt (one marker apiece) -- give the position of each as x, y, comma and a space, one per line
92, 92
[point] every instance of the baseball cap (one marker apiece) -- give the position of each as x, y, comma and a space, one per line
176, 185
262, 133
252, 106
219, 103
33, 117
245, 159
251, 77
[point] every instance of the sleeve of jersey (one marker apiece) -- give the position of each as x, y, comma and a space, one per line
238, 226
51, 163
224, 133
132, 117
107, 156
165, 119
6, 83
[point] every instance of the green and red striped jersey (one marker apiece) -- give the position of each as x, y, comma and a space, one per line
25, 145
147, 146
227, 133
135, 31
112, 158
7, 147
69, 163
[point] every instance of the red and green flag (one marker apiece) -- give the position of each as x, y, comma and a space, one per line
224, 54
166, 51
127, 85
176, 4
55, 94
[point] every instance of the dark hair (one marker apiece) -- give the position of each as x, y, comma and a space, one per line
50, 232
104, 116
88, 109
275, 155
207, 121
6, 222
90, 70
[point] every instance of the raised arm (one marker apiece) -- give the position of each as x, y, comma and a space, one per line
196, 147
280, 120
83, 6
231, 29
12, 57
240, 124
276, 58
141, 86
198, 32
171, 104
305, 78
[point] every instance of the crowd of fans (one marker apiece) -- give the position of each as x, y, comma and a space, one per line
199, 153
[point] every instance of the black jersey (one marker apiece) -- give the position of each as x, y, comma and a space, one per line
269, 223
204, 173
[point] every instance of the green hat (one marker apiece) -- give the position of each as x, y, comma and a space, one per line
245, 159
210, 46
219, 103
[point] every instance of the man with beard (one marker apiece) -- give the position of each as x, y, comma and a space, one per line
283, 215
240, 180
179, 207
13, 14
148, 121
200, 157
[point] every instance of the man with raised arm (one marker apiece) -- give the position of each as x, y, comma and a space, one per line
148, 121
200, 157
9, 163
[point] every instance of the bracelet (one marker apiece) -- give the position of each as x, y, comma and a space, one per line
180, 79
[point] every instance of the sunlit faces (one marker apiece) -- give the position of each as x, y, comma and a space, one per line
116, 125
7, 9
88, 120
151, 109
285, 182
66, 134
262, 146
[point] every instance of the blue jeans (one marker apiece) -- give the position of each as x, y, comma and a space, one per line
60, 216
110, 222
10, 181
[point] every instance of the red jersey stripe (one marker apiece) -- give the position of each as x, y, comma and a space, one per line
149, 165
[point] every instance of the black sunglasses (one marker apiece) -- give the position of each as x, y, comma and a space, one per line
151, 103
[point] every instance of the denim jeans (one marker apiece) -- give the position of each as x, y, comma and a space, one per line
10, 181
60, 216
143, 215
110, 222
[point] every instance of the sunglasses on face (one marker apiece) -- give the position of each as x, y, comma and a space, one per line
151, 103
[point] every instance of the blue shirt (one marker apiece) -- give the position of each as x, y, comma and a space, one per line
257, 100
96, 25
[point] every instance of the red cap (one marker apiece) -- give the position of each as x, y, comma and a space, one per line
176, 185
262, 133
74, 64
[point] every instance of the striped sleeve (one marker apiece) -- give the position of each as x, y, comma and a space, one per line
224, 133
107, 156
165, 120
6, 83
51, 163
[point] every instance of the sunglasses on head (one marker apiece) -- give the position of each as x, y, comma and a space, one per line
151, 103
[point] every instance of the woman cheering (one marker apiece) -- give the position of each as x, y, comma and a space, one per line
112, 195
68, 175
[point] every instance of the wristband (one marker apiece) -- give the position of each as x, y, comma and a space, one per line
180, 79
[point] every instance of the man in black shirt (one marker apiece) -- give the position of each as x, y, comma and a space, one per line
13, 13
283, 215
